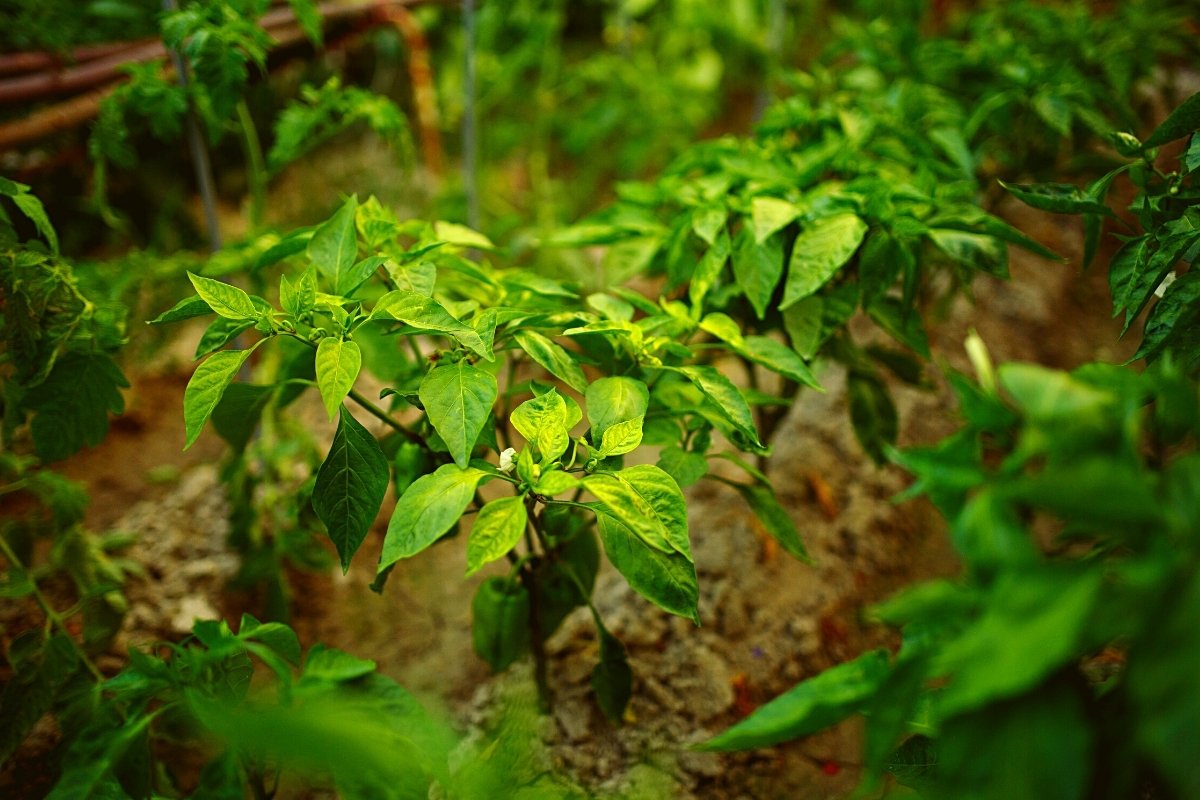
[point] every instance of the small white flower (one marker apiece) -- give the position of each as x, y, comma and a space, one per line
506, 460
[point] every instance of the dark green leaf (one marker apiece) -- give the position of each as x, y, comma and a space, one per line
1179, 123
350, 486
500, 622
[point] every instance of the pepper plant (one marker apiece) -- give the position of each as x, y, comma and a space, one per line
494, 379
852, 194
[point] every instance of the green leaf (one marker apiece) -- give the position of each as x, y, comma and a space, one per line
904, 325
500, 622
666, 580
219, 333
555, 482
972, 250
1057, 198
328, 664
779, 358
686, 468
1043, 737
647, 501
543, 422
708, 271
757, 267
553, 358
1034, 623
612, 679
290, 245
350, 486
802, 321
1163, 690
497, 529
622, 438
334, 244
820, 250
873, 415
226, 300
338, 363
1179, 304
721, 391
461, 236
71, 406
425, 313
775, 519
707, 222
32, 208
206, 387
1150, 273
1049, 396
31, 691
1128, 261
811, 706
275, 635
187, 308
612, 400
237, 414
427, 509
355, 275
1179, 123
770, 214
458, 398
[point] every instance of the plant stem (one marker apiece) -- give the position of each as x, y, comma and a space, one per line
385, 417
52, 615
536, 635
255, 167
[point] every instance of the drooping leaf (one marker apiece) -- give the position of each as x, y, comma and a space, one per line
612, 679
667, 580
1180, 304
648, 502
350, 486
458, 398
775, 519
725, 395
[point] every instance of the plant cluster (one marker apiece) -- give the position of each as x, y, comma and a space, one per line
1071, 500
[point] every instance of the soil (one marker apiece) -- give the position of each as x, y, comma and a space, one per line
768, 620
